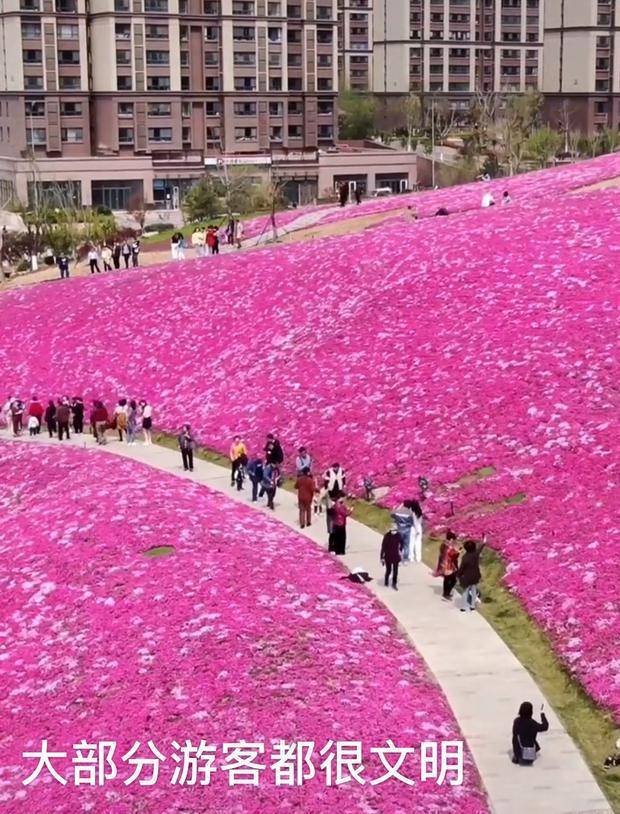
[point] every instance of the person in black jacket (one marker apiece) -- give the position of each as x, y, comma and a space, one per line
186, 445
525, 747
77, 410
469, 573
391, 546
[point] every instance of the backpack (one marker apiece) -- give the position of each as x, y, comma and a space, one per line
528, 753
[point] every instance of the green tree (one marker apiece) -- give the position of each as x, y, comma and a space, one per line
202, 201
413, 117
543, 144
357, 115
608, 141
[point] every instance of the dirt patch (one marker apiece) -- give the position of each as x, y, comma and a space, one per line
343, 227
610, 183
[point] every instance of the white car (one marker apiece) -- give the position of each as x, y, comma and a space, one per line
382, 192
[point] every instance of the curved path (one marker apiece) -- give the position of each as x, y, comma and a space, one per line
480, 677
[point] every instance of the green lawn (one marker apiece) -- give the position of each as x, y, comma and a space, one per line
590, 727
187, 230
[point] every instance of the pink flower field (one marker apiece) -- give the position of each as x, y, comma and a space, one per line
246, 632
487, 339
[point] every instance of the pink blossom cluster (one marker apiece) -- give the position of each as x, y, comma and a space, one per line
430, 348
246, 632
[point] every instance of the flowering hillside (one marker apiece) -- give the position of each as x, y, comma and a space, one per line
485, 339
456, 199
246, 631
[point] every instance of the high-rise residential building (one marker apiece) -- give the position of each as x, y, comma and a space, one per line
453, 48
582, 63
355, 44
138, 93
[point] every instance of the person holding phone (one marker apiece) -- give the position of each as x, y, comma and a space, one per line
525, 729
186, 445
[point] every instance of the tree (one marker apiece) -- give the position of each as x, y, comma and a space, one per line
608, 141
543, 144
357, 115
202, 201
520, 116
413, 117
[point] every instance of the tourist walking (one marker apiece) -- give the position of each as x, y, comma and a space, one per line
525, 729
120, 418
358, 195
271, 478
35, 408
303, 461
33, 425
238, 455
135, 253
106, 256
62, 261
273, 450
126, 252
469, 574
132, 423
390, 555
93, 260
186, 445
255, 473
176, 238
334, 482
338, 536
63, 416
50, 418
198, 241
99, 419
6, 413
17, 415
77, 409
448, 564
305, 495
239, 230
116, 254
147, 422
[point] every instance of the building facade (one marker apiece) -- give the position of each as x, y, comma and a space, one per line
453, 48
582, 64
355, 44
141, 91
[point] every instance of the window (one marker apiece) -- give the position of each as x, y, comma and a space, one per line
31, 31
35, 107
274, 9
66, 6
293, 11
36, 135
324, 37
157, 32
69, 82
293, 35
68, 32
123, 83
294, 131
186, 135
275, 83
323, 13
275, 133
245, 134
68, 57
122, 31
245, 83
72, 135
157, 58
156, 5
121, 5
324, 84
212, 33
244, 58
125, 109
274, 34
70, 108
243, 33
33, 82
243, 7
160, 134
211, 7
324, 60
295, 83
158, 83
123, 57
213, 136
325, 131
244, 108
125, 135
294, 109
186, 109
294, 60
325, 108
159, 108
212, 83
276, 108
32, 57
212, 109
212, 58
275, 60
29, 5
184, 59
183, 6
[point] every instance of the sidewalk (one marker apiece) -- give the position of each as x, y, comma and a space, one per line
480, 677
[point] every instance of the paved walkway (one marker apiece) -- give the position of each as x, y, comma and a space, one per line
480, 677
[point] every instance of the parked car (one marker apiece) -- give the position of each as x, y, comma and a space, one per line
382, 192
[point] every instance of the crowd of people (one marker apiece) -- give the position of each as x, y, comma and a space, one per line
65, 415
119, 254
206, 240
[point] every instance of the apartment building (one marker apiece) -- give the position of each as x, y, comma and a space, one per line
123, 100
355, 44
453, 48
582, 64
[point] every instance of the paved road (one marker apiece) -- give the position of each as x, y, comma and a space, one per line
480, 677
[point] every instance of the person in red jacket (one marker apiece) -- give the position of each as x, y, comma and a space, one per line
391, 555
448, 564
36, 409
100, 419
305, 495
